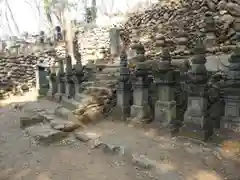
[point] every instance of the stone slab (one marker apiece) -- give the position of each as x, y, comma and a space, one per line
62, 125
44, 133
30, 119
86, 136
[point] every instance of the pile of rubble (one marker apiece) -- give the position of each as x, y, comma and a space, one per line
176, 17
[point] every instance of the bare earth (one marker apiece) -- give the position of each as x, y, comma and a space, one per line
21, 158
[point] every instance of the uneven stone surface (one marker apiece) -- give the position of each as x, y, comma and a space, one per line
20, 158
45, 133
29, 119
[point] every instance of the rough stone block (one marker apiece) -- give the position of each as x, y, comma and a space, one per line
30, 119
86, 136
65, 126
44, 133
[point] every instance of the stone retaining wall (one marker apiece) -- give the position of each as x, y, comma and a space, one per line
17, 74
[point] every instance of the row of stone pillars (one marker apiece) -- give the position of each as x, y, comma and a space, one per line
201, 99
64, 82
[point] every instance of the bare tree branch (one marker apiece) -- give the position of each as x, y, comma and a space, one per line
12, 17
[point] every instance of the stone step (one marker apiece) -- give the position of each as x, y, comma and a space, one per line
44, 133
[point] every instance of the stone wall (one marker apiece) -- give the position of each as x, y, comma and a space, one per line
17, 73
92, 41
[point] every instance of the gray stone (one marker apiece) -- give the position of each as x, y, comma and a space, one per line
45, 134
63, 125
142, 161
30, 119
86, 136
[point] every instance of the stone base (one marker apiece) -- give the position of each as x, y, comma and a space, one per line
165, 112
192, 131
58, 97
230, 128
141, 113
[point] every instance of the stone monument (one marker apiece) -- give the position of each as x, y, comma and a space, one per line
231, 119
52, 81
123, 88
165, 106
60, 80
140, 109
195, 116
69, 83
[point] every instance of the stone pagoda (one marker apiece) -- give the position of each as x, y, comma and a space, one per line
195, 115
140, 109
231, 119
165, 106
123, 88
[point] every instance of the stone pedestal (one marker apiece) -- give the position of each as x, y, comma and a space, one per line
140, 108
52, 82
60, 81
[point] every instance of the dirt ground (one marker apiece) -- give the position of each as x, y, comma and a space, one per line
22, 159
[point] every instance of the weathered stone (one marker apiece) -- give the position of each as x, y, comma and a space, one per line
45, 134
30, 119
63, 125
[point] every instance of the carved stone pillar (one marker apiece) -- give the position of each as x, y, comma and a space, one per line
210, 29
52, 81
165, 107
123, 89
195, 116
231, 121
140, 109
60, 80
69, 91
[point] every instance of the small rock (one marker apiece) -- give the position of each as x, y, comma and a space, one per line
142, 161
